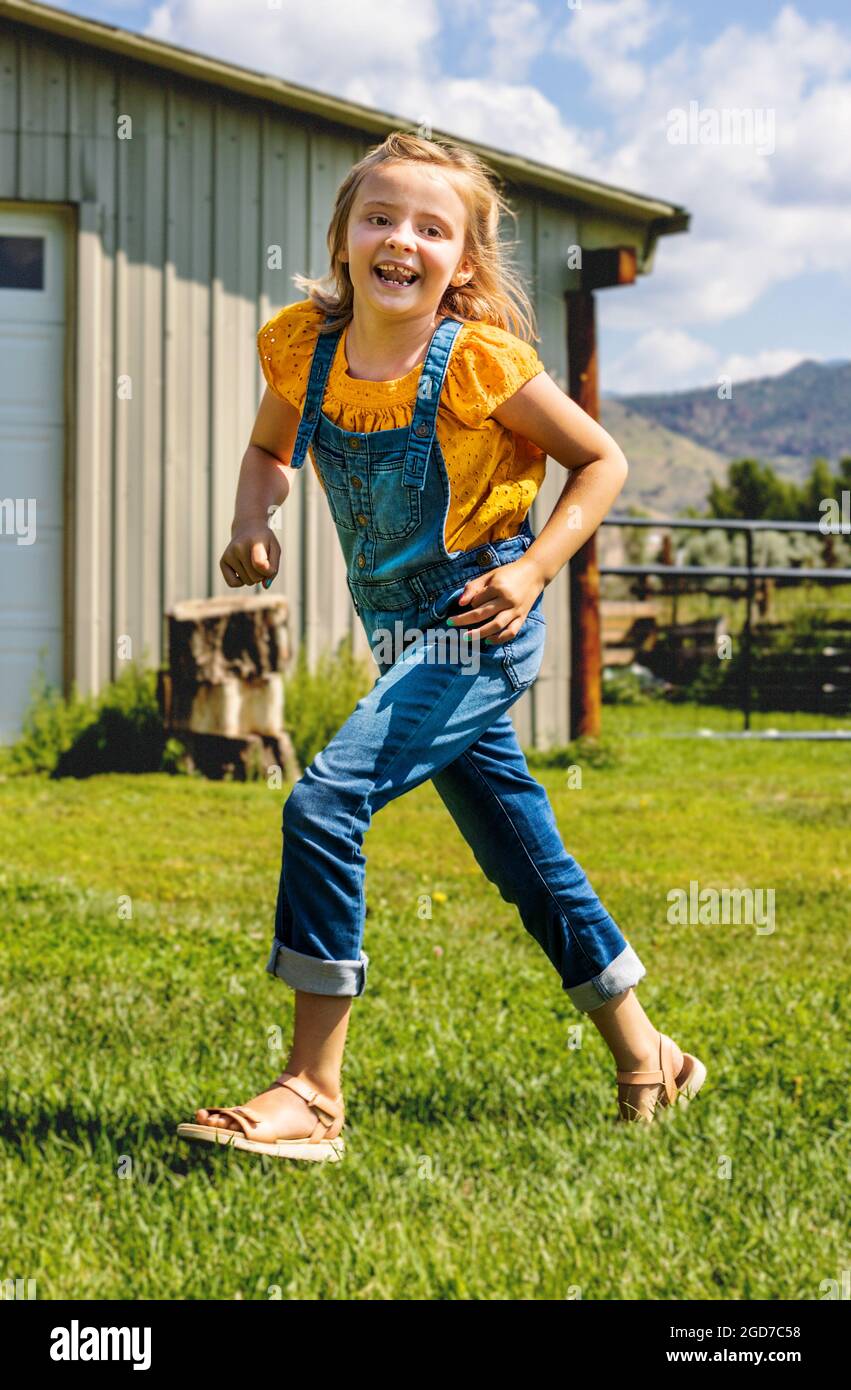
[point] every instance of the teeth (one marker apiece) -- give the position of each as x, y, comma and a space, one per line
397, 274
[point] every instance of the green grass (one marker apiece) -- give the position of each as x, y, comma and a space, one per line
658, 717
483, 1161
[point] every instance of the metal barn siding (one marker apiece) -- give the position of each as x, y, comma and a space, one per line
170, 282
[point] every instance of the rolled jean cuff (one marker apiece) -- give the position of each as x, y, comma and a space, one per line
620, 974
315, 975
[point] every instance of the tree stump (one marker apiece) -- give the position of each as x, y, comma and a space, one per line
223, 692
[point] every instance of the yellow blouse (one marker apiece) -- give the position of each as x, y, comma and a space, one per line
494, 474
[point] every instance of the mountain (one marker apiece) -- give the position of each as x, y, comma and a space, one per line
676, 442
667, 471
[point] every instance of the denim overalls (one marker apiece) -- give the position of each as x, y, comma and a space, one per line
439, 711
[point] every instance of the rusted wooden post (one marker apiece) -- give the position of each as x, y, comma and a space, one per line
585, 644
600, 268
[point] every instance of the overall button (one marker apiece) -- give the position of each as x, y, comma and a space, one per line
356, 482
354, 443
422, 428
361, 518
361, 561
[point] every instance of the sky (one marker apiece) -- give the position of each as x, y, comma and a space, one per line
761, 281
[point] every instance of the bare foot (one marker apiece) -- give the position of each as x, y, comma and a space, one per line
285, 1116
637, 1102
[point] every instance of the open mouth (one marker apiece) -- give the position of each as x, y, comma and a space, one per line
396, 278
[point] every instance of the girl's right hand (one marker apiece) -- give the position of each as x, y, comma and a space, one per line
252, 555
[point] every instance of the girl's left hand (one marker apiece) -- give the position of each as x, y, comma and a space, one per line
503, 596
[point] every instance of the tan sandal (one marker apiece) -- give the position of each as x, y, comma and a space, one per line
324, 1142
678, 1090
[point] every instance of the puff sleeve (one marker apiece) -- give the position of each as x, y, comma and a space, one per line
285, 347
488, 364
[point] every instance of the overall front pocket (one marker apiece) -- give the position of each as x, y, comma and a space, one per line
335, 481
396, 509
523, 655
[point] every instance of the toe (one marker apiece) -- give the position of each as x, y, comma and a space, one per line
205, 1118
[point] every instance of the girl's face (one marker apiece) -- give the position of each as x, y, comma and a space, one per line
409, 214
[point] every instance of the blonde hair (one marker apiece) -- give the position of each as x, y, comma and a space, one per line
494, 294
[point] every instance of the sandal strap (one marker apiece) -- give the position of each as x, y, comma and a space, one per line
640, 1078
237, 1111
665, 1075
666, 1048
318, 1102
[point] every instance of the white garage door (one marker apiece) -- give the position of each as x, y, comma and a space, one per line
32, 439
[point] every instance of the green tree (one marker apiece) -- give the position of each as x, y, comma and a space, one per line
820, 484
752, 492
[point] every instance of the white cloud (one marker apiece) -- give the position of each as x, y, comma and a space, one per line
660, 360
757, 219
325, 44
715, 272
672, 360
509, 117
518, 33
602, 36
160, 24
769, 362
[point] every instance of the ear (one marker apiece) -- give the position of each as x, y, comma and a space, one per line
463, 273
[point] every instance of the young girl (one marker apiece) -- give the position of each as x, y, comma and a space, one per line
428, 424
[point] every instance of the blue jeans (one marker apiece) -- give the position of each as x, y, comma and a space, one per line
437, 711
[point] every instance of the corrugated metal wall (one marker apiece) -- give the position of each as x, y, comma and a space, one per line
170, 284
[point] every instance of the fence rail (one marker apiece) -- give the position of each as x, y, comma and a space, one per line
749, 571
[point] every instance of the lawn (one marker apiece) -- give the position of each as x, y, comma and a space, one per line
482, 1158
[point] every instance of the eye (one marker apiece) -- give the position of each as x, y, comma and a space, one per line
384, 219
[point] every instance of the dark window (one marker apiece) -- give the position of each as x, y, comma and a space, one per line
21, 263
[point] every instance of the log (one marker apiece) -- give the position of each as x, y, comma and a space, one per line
223, 692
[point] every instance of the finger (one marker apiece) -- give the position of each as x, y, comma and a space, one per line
232, 577
475, 587
498, 636
481, 611
502, 628
259, 561
274, 563
236, 564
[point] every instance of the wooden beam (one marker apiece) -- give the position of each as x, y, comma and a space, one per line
608, 265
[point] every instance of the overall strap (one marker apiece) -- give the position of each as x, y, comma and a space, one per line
421, 433
323, 356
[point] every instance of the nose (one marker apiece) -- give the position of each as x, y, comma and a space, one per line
401, 236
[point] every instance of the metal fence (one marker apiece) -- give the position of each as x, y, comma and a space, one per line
749, 572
